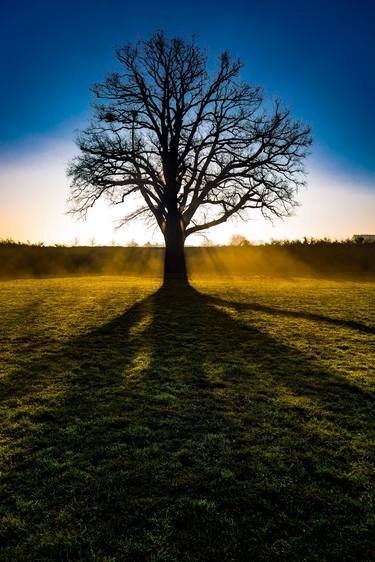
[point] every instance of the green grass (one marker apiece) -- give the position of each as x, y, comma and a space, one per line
225, 422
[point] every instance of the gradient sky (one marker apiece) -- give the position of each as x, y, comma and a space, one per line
319, 57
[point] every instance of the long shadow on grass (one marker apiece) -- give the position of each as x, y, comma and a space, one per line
298, 314
178, 432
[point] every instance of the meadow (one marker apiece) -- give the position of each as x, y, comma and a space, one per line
227, 421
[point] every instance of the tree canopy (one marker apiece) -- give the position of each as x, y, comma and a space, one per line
194, 148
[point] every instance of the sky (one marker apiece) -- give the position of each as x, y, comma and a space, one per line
318, 57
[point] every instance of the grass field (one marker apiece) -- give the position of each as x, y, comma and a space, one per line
230, 421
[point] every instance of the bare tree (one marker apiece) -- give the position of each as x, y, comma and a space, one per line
239, 240
194, 148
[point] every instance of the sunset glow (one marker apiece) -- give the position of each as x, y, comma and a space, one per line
34, 191
40, 123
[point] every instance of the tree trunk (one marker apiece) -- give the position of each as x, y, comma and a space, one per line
174, 260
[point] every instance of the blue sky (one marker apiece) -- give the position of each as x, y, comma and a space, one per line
318, 57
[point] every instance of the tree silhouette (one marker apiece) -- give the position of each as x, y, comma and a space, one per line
194, 148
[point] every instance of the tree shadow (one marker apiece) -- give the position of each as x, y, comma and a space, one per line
179, 432
241, 306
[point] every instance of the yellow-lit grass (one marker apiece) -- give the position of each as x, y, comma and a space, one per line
229, 421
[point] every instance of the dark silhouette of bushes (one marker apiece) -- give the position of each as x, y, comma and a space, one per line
20, 260
291, 258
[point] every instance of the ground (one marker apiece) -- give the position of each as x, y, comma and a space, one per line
228, 421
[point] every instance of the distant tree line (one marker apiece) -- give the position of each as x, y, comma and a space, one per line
308, 257
235, 240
